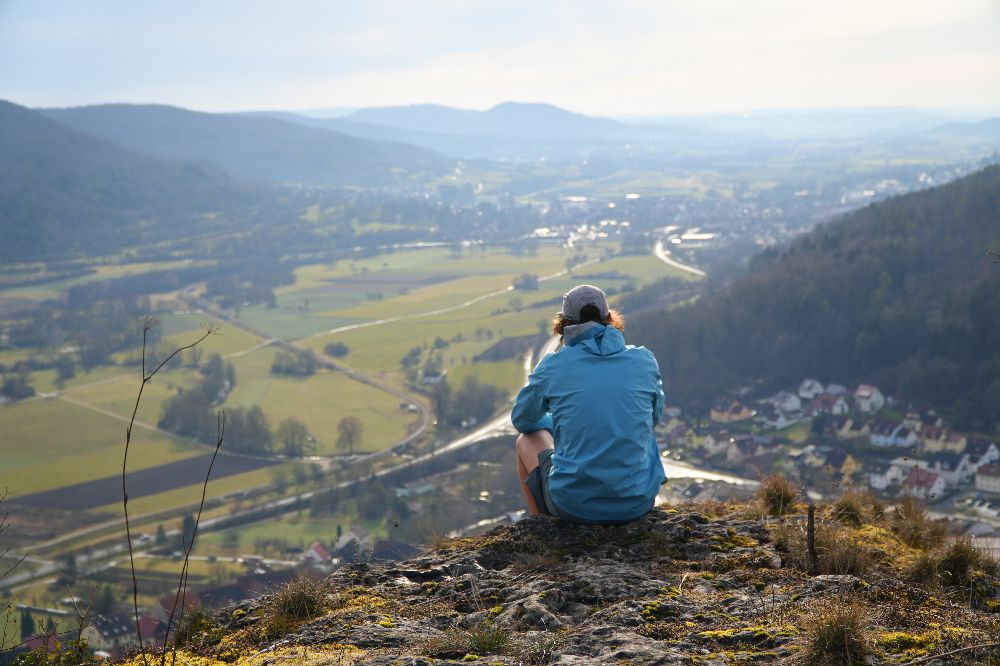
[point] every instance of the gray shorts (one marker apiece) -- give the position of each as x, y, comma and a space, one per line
538, 483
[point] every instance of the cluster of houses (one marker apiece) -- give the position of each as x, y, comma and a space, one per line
812, 399
112, 635
913, 454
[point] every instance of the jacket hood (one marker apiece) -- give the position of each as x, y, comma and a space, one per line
595, 339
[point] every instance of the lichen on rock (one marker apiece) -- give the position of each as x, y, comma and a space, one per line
674, 587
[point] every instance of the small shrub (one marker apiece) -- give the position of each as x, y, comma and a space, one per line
837, 634
71, 653
777, 495
914, 528
194, 626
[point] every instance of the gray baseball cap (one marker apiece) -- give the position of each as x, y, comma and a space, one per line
582, 295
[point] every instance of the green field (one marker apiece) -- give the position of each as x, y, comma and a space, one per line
50, 443
453, 304
380, 347
319, 401
399, 284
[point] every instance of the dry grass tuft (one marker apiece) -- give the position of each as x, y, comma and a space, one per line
909, 521
837, 633
962, 563
837, 552
777, 495
856, 507
301, 599
484, 638
961, 567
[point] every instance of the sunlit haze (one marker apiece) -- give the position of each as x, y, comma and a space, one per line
623, 58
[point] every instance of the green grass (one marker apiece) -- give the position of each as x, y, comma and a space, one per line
410, 282
380, 347
50, 443
53, 288
296, 529
508, 375
798, 432
118, 395
319, 401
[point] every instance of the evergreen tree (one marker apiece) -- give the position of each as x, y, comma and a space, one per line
105, 603
187, 531
27, 625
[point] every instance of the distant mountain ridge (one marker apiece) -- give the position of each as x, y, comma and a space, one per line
508, 131
64, 192
260, 148
897, 294
506, 119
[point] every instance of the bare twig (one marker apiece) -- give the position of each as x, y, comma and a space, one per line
932, 657
181, 595
811, 540
148, 324
3, 527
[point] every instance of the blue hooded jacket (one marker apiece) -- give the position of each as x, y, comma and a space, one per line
600, 399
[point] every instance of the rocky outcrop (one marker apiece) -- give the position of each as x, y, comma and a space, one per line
675, 587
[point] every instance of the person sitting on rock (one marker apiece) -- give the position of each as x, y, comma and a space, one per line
586, 452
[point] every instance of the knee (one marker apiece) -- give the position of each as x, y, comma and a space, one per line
533, 442
521, 443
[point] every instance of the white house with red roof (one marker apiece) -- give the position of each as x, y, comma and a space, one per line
809, 389
988, 478
827, 403
316, 555
868, 398
924, 484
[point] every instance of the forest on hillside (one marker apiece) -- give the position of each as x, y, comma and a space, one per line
901, 294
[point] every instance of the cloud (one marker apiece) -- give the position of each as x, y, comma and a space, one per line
623, 57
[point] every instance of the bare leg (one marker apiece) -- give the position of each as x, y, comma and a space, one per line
529, 445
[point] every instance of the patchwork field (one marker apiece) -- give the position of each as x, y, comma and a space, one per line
452, 304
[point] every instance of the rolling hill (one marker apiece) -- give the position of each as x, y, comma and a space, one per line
507, 119
261, 148
899, 294
509, 131
66, 193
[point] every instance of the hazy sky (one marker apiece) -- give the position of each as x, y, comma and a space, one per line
614, 58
